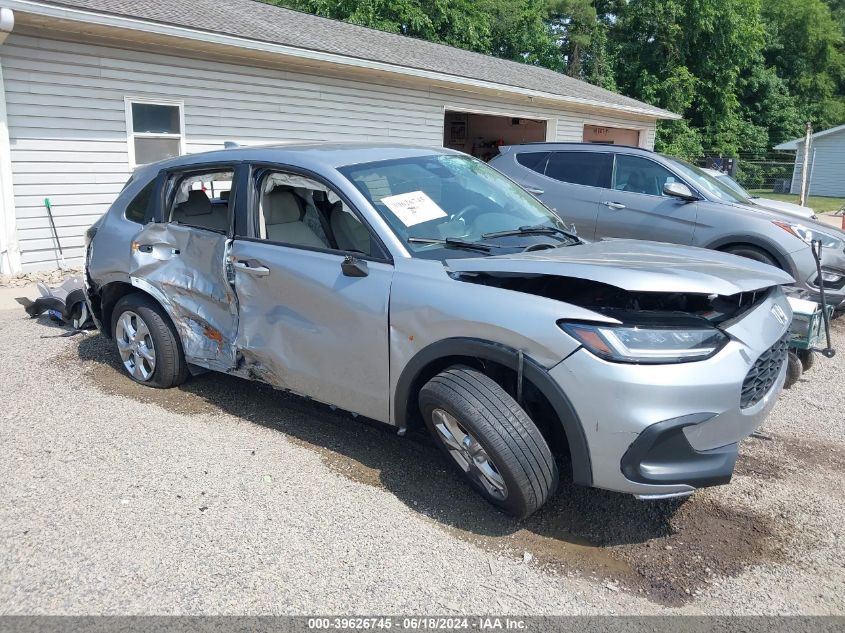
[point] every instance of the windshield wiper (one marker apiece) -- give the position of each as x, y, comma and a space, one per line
451, 242
537, 229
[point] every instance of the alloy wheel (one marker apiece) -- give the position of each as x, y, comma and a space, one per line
469, 454
135, 345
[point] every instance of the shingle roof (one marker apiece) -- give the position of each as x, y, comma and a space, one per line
793, 145
266, 23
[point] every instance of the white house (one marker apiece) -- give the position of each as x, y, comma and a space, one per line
92, 88
826, 167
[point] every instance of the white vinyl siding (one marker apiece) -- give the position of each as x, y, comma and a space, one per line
827, 164
68, 128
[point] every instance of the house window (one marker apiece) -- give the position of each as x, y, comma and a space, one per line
155, 130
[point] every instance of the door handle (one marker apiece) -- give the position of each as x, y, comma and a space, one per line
534, 191
616, 206
252, 268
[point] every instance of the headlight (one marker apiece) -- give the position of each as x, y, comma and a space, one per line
646, 344
809, 235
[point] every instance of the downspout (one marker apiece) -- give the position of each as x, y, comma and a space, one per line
10, 255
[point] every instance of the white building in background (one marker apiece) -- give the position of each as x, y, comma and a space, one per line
826, 166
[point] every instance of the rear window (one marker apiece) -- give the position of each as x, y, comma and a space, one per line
535, 161
137, 209
581, 168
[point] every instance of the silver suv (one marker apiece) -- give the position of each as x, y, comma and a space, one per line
612, 191
420, 287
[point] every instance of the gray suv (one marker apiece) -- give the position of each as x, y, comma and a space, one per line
610, 191
421, 288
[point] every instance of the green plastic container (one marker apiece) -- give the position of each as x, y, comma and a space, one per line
807, 329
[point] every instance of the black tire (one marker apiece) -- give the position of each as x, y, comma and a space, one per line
170, 367
508, 437
807, 357
793, 369
752, 252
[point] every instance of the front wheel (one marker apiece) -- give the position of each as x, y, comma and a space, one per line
808, 358
793, 369
490, 438
752, 252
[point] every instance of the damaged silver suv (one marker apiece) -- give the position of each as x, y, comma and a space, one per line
417, 286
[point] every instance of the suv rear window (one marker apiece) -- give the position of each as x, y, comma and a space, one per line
137, 209
581, 168
535, 161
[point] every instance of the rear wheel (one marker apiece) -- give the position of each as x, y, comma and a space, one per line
147, 343
490, 438
752, 252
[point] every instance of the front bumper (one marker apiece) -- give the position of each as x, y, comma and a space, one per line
657, 430
806, 274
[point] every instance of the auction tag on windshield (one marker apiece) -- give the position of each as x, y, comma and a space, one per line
414, 207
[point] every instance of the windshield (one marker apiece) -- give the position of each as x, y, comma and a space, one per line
705, 183
733, 184
431, 200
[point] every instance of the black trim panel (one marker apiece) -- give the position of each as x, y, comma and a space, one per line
661, 455
533, 372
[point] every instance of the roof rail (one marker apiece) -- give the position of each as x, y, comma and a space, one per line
230, 145
583, 143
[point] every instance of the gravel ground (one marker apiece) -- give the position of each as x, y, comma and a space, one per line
50, 277
225, 497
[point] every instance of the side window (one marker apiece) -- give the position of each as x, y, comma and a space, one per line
581, 168
201, 199
299, 211
535, 161
136, 210
640, 175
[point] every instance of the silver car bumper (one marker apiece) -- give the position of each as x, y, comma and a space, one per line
657, 430
806, 274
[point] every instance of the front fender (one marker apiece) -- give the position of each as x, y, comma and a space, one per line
408, 386
769, 246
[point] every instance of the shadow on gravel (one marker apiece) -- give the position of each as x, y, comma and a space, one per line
663, 550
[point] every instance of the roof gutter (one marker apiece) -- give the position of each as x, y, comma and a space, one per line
7, 23
208, 37
10, 256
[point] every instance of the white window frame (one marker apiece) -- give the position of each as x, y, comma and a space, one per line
131, 135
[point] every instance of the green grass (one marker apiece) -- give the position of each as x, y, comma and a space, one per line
820, 204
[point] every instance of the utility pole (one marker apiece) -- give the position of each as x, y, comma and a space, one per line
805, 186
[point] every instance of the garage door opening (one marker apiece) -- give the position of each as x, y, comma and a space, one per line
612, 135
481, 135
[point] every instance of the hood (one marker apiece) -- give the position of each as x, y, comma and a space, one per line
785, 207
636, 266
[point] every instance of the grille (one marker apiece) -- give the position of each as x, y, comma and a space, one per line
762, 376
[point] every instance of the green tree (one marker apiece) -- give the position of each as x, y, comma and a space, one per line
765, 102
689, 56
511, 29
805, 43
519, 31
582, 28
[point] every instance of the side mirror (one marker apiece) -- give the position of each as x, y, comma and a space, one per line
354, 267
679, 190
